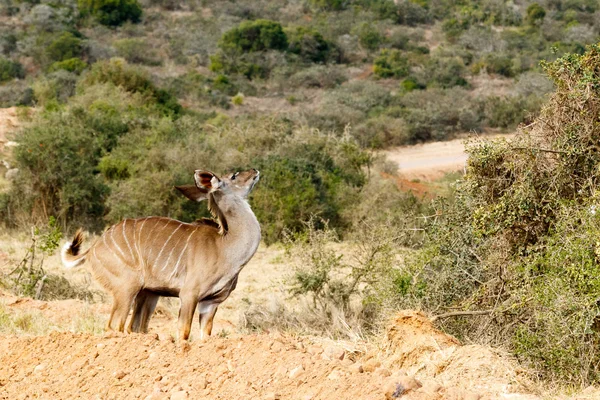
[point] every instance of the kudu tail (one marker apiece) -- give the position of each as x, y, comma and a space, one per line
70, 252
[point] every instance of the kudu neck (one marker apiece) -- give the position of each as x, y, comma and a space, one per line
236, 215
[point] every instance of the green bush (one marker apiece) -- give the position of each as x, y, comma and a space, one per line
437, 114
75, 65
137, 51
331, 5
8, 43
10, 70
117, 72
349, 104
318, 76
64, 47
495, 64
56, 87
508, 112
445, 72
535, 14
112, 12
453, 28
251, 36
391, 64
309, 44
411, 12
16, 93
382, 132
369, 36
305, 179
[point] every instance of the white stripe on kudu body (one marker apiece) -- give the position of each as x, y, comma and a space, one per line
142, 259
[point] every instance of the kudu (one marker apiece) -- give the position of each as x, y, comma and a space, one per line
142, 259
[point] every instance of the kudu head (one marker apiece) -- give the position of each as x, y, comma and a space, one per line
224, 194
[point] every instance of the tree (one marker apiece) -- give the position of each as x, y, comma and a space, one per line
112, 12
535, 14
252, 36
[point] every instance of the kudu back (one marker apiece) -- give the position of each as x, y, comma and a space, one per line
139, 260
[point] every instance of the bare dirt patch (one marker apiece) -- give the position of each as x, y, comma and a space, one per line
254, 366
9, 122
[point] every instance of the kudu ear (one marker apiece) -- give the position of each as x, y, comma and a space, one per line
206, 180
192, 192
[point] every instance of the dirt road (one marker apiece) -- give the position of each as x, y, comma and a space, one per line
429, 161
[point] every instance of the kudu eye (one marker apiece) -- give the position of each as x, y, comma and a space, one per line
234, 176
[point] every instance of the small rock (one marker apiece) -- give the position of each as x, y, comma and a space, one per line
184, 346
221, 345
408, 382
179, 395
202, 382
276, 347
398, 384
346, 362
39, 368
120, 374
158, 378
431, 387
152, 355
393, 390
281, 371
163, 336
230, 366
100, 345
296, 372
383, 372
300, 346
335, 375
356, 368
272, 396
333, 353
371, 365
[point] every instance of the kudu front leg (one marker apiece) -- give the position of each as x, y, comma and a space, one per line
186, 315
207, 313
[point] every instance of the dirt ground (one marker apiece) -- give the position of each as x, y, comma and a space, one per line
413, 361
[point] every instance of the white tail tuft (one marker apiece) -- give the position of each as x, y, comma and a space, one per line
67, 257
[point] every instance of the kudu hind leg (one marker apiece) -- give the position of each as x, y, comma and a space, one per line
147, 311
143, 308
122, 301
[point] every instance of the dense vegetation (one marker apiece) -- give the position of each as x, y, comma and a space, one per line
519, 242
130, 97
343, 77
